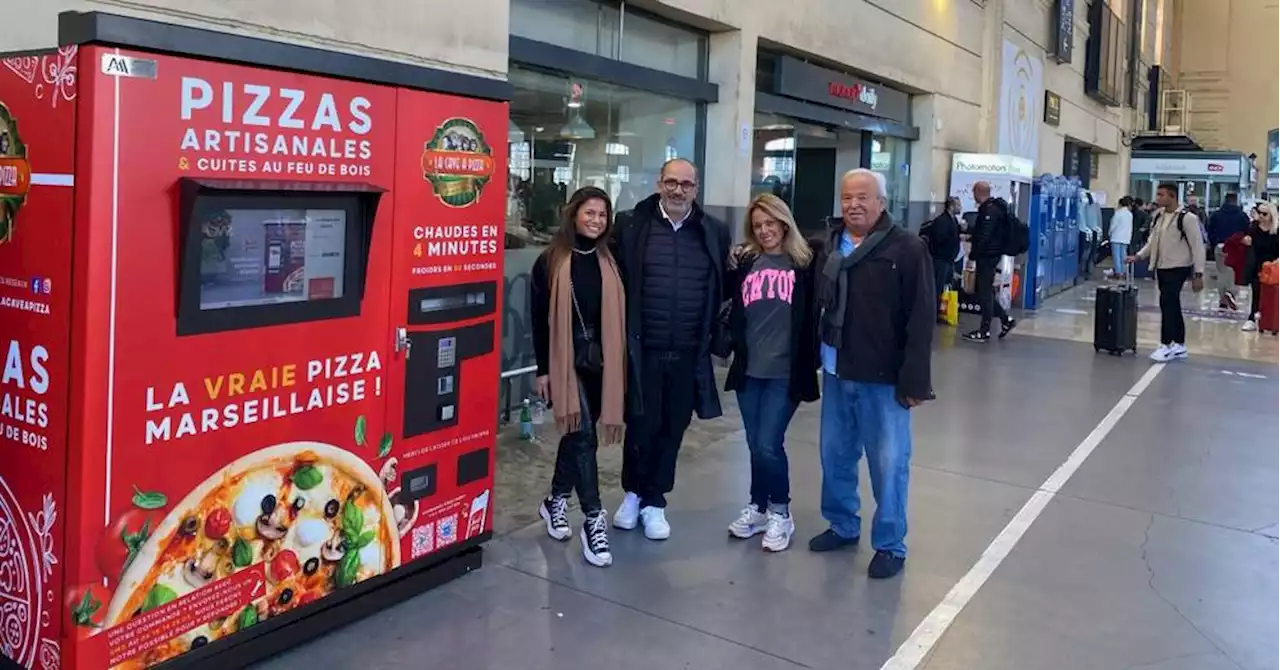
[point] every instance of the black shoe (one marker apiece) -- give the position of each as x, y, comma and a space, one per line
828, 540
977, 336
555, 514
595, 540
885, 565
1006, 326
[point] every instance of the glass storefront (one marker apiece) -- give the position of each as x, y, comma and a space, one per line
891, 157
802, 164
566, 133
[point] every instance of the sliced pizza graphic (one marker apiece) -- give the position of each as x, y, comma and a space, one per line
315, 517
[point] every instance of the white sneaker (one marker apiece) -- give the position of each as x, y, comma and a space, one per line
655, 523
1163, 354
628, 513
750, 523
1178, 351
1250, 326
778, 532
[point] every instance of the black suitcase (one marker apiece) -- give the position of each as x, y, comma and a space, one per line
1115, 321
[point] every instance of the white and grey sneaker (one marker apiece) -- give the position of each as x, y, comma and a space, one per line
778, 532
750, 522
655, 523
628, 514
1177, 351
555, 513
1163, 354
1250, 326
595, 540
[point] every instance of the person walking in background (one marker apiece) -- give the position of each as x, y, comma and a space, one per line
1227, 221
942, 236
1176, 252
1264, 247
579, 340
875, 292
986, 246
1120, 235
775, 358
673, 259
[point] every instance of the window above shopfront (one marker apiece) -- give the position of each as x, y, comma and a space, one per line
615, 30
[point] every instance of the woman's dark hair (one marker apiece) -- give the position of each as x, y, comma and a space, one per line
1126, 201
562, 242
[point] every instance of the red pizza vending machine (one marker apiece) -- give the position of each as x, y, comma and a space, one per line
251, 339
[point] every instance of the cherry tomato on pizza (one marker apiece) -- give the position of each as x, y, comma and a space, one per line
217, 523
283, 566
122, 540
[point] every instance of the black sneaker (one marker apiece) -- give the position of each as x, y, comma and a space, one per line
977, 336
555, 513
595, 540
885, 565
1006, 326
828, 540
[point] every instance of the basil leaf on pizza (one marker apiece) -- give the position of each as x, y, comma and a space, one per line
241, 553
307, 477
306, 518
148, 499
157, 596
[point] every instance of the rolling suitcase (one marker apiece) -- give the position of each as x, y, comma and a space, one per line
1115, 321
1268, 308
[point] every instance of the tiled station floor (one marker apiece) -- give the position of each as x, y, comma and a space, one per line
1159, 553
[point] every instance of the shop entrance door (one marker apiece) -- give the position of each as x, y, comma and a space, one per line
446, 269
815, 187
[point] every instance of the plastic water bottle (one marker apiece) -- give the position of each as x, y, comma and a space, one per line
526, 421
539, 411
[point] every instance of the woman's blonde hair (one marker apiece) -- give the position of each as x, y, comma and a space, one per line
793, 243
1266, 207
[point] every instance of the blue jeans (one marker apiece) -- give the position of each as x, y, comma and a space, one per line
767, 408
1118, 252
858, 416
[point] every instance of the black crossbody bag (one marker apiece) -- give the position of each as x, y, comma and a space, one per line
587, 353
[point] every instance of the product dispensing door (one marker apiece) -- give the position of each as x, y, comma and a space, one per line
434, 381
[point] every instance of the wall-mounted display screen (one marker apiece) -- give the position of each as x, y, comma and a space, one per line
271, 256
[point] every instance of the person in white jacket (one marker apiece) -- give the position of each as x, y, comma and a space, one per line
1120, 235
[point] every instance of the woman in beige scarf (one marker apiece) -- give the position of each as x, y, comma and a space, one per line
579, 335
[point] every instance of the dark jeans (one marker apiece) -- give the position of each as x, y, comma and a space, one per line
985, 285
652, 442
767, 408
576, 456
1255, 297
1173, 329
1085, 265
943, 270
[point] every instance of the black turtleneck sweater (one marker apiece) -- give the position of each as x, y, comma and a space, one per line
584, 271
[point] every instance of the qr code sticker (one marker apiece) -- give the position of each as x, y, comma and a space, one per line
424, 540
447, 531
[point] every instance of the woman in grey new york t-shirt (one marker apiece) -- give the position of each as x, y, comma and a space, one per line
775, 358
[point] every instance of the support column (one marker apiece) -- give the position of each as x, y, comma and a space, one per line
726, 178
992, 57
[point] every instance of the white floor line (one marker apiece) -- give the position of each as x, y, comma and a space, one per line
923, 639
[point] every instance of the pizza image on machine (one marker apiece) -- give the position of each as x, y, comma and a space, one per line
316, 518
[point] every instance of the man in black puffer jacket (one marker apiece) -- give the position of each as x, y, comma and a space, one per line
672, 257
986, 246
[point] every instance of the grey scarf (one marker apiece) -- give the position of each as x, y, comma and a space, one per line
834, 294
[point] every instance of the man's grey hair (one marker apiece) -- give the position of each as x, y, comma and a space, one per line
882, 189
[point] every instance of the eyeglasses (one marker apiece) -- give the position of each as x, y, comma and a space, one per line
673, 184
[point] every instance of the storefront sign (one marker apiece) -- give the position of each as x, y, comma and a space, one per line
1185, 167
1064, 28
993, 164
798, 79
1052, 108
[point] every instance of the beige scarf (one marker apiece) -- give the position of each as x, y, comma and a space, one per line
613, 328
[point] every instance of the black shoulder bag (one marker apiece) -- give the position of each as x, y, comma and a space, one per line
588, 356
